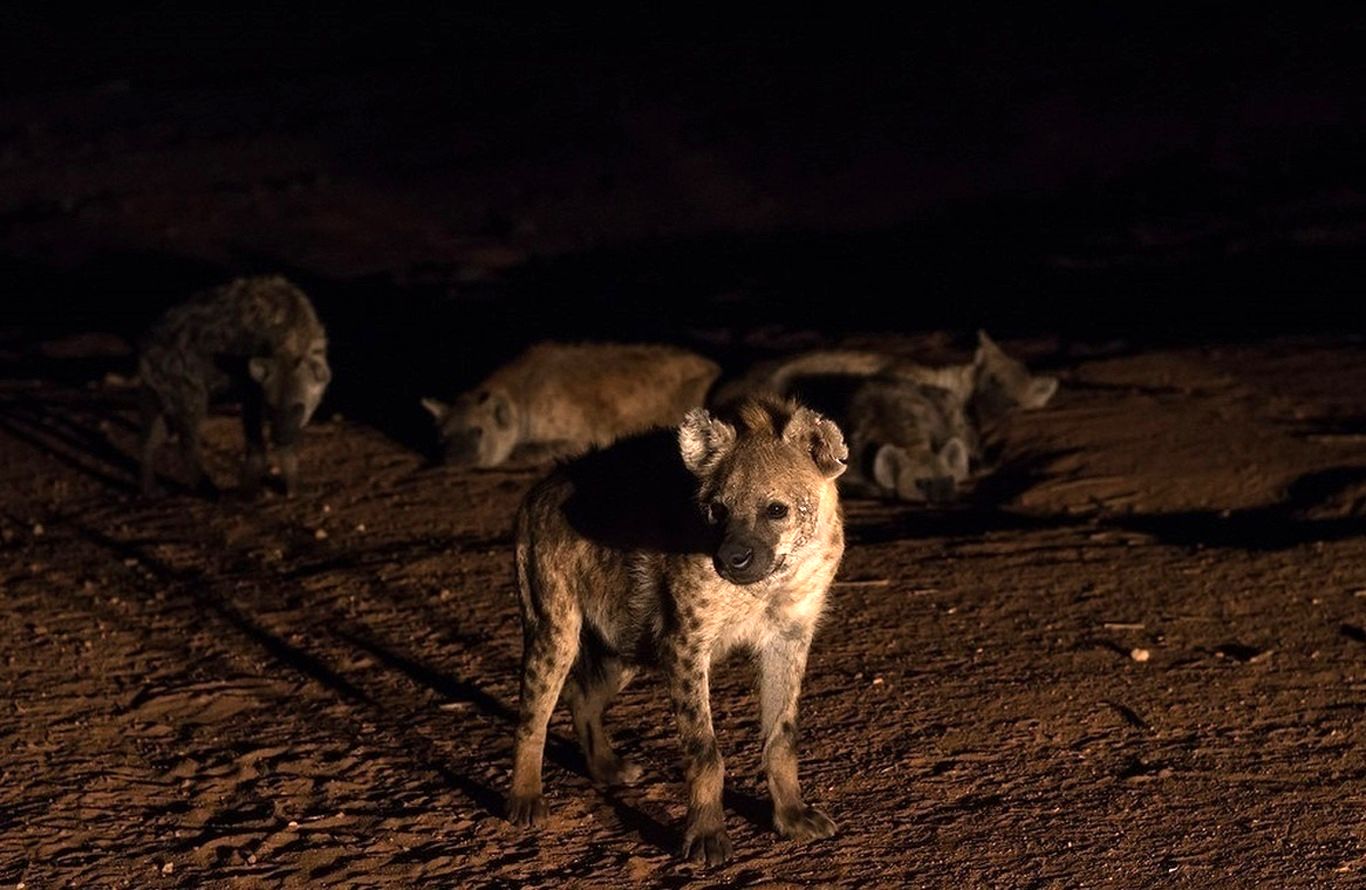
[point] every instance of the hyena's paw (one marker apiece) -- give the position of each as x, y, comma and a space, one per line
707, 845
803, 823
615, 771
525, 811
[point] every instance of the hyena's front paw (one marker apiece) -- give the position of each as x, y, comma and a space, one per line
710, 845
803, 823
527, 810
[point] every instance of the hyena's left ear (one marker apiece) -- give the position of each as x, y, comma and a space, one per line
437, 409
822, 437
703, 440
1039, 391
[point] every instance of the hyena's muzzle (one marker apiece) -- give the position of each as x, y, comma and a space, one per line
746, 554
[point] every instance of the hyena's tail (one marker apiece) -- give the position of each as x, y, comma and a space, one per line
781, 376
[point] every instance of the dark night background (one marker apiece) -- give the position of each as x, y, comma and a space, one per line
1103, 173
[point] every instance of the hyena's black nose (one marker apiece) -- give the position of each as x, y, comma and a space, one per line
736, 555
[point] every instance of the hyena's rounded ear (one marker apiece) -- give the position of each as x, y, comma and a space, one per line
437, 409
887, 464
322, 373
259, 369
502, 411
703, 440
954, 456
822, 437
1039, 391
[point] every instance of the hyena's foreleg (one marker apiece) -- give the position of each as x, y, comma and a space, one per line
596, 680
781, 666
704, 840
254, 432
551, 621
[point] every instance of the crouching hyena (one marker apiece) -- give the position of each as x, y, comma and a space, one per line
559, 399
671, 549
257, 339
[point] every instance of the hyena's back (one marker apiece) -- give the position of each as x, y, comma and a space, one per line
245, 318
597, 392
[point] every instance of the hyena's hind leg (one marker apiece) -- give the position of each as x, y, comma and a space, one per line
551, 621
595, 682
153, 437
186, 415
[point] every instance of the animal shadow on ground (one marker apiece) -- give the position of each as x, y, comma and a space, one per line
205, 595
564, 754
1298, 518
57, 430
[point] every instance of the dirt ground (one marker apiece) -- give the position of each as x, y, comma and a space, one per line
1137, 659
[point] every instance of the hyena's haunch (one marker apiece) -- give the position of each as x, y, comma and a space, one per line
670, 550
257, 339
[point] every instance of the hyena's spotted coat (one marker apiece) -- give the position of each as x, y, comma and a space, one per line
670, 550
257, 339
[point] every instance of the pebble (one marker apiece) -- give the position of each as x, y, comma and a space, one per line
1140, 654
168, 868
321, 534
38, 530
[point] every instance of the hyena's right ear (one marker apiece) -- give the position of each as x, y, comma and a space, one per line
703, 440
438, 410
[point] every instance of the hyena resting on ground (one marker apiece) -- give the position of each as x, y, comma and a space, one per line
671, 549
915, 432
254, 339
559, 399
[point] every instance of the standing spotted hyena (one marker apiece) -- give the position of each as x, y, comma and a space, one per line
671, 549
254, 339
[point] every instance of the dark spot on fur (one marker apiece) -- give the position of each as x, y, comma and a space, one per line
701, 749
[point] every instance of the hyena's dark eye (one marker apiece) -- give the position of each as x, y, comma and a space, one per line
777, 511
716, 512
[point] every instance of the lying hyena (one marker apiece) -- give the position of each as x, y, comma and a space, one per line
914, 431
672, 550
257, 339
560, 399
908, 439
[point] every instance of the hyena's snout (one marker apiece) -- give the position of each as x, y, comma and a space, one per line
461, 449
938, 489
744, 557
